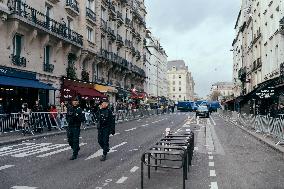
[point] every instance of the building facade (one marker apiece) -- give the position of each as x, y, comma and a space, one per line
157, 65
181, 83
96, 41
258, 52
224, 90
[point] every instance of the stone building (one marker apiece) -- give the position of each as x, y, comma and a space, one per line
181, 83
258, 54
223, 89
157, 67
99, 42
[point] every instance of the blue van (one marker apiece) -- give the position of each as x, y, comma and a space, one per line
214, 106
184, 106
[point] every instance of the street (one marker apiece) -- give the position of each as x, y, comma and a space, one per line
224, 157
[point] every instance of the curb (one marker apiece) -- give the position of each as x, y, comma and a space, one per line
267, 142
13, 141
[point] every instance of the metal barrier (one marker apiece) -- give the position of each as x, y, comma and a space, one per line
37, 121
260, 123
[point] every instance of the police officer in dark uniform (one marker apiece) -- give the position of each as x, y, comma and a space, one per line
104, 128
74, 118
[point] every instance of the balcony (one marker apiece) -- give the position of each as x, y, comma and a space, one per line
281, 26
31, 16
19, 61
72, 7
119, 40
138, 37
90, 15
48, 68
103, 25
128, 43
111, 8
111, 34
119, 18
54, 1
104, 53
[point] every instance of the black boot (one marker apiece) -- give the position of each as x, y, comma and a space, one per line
103, 158
73, 157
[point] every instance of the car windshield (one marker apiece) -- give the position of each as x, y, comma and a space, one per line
202, 108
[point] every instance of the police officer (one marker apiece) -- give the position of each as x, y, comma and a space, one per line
74, 118
104, 128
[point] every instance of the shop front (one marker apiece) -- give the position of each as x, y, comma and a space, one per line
18, 87
122, 95
84, 90
108, 91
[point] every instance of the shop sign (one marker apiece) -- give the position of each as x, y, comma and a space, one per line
266, 93
11, 72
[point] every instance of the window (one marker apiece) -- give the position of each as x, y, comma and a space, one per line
103, 14
179, 89
174, 82
179, 96
47, 54
174, 96
179, 76
91, 5
90, 34
174, 76
17, 45
174, 89
179, 82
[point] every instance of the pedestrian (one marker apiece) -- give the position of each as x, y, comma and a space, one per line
74, 117
104, 128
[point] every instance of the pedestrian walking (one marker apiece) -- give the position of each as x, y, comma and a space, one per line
74, 117
105, 128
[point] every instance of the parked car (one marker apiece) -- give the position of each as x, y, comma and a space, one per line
202, 111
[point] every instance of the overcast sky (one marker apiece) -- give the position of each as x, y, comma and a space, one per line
200, 32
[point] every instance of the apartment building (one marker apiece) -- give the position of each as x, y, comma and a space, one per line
181, 83
258, 51
223, 89
157, 65
96, 44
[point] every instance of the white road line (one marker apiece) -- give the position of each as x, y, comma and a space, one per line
100, 152
23, 187
144, 125
211, 164
130, 129
210, 153
11, 147
115, 134
40, 150
6, 167
27, 148
214, 185
214, 123
212, 173
211, 157
135, 168
58, 151
121, 180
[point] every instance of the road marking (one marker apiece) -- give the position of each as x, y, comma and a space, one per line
121, 180
155, 121
6, 167
214, 185
11, 147
209, 153
115, 134
144, 125
214, 123
211, 164
23, 187
212, 173
130, 129
135, 168
100, 152
208, 121
133, 150
211, 157
37, 151
58, 151
18, 150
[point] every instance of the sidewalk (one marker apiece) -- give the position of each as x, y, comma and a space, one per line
266, 139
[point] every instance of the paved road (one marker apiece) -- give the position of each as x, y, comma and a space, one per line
224, 157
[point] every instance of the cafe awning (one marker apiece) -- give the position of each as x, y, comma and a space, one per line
20, 82
82, 91
105, 89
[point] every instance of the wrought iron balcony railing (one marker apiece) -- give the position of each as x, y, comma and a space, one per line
103, 25
40, 20
19, 61
72, 5
90, 14
48, 67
